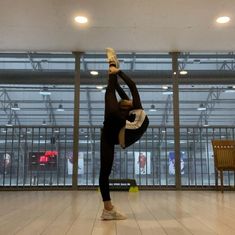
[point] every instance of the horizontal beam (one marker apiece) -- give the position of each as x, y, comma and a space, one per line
141, 78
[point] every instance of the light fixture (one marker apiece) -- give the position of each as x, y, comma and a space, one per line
223, 19
230, 89
4, 130
94, 73
168, 91
183, 72
152, 108
45, 91
196, 61
60, 108
9, 123
206, 123
99, 87
56, 131
201, 107
44, 123
164, 87
81, 19
15, 107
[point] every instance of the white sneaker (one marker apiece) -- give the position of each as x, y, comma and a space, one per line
112, 57
112, 215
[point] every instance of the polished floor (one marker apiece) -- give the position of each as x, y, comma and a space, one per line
149, 212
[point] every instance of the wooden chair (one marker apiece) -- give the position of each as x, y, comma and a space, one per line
224, 157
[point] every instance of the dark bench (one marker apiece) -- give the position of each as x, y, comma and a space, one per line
123, 185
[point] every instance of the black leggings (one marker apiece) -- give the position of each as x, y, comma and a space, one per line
112, 108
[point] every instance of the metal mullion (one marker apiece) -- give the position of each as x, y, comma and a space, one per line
18, 161
194, 158
12, 152
52, 147
32, 152
207, 154
152, 156
4, 158
146, 143
65, 153
93, 156
188, 154
166, 159
175, 80
25, 157
213, 136
159, 154
220, 132
87, 160
201, 154
140, 176
233, 171
77, 56
45, 147
39, 132
226, 131
57, 161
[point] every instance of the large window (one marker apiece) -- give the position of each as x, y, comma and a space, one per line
37, 110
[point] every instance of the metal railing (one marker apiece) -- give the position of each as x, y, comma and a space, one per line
43, 156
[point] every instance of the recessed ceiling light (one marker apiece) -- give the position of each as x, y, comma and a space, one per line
94, 73
223, 19
81, 19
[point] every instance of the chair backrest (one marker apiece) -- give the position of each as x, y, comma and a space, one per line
224, 154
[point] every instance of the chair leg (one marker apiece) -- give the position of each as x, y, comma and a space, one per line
222, 181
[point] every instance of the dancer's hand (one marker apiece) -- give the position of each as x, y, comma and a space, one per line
113, 70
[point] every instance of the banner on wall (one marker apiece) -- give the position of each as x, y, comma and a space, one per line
80, 163
5, 162
172, 162
142, 163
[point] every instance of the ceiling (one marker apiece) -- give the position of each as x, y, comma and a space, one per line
37, 38
126, 25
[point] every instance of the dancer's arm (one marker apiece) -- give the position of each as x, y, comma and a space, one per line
134, 92
121, 92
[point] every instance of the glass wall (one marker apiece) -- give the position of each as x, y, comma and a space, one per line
37, 109
206, 112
